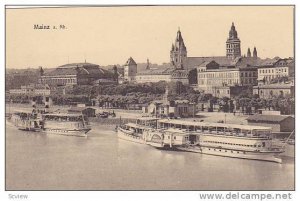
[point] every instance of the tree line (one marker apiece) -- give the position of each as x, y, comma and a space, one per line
122, 96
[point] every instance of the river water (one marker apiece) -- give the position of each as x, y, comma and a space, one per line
36, 161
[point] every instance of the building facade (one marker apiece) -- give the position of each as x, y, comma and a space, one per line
166, 108
130, 70
75, 74
271, 69
32, 89
211, 79
228, 91
278, 123
268, 91
168, 74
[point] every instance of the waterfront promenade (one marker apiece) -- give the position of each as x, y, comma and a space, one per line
133, 114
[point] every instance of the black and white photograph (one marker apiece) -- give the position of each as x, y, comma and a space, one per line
150, 98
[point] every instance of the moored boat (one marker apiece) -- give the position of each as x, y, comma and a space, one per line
65, 124
26, 121
230, 140
139, 132
131, 132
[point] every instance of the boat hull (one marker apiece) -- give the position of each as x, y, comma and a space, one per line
67, 132
262, 156
122, 134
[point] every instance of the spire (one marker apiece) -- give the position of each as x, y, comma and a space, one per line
233, 32
248, 53
41, 71
148, 64
255, 53
179, 37
178, 50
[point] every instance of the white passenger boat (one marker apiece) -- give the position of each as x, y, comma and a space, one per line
143, 132
65, 124
131, 132
230, 140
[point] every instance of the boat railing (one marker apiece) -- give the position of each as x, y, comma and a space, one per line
229, 133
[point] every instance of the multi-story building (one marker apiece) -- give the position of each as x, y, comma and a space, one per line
267, 91
75, 74
32, 89
164, 74
211, 77
270, 69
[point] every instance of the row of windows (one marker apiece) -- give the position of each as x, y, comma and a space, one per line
226, 75
278, 70
182, 109
219, 75
228, 150
60, 80
248, 74
222, 82
276, 92
248, 81
243, 145
232, 45
233, 50
151, 77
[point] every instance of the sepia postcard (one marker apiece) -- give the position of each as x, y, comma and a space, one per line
180, 98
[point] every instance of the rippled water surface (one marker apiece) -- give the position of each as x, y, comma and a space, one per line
35, 161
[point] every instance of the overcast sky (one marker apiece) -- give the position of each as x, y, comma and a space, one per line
110, 35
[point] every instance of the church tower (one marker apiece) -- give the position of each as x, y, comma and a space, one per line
233, 44
178, 52
255, 53
248, 53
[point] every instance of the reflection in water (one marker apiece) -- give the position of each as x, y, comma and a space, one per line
103, 162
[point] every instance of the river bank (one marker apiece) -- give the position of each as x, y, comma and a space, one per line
133, 114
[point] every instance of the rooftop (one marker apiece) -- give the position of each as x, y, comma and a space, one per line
193, 62
74, 65
130, 61
157, 71
74, 69
268, 118
221, 125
